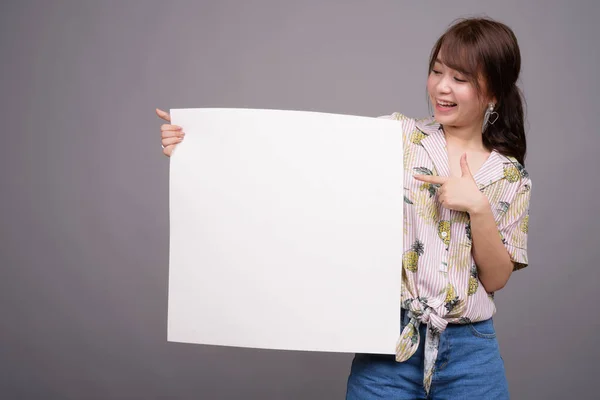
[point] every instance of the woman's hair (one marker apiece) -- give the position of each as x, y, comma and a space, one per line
486, 50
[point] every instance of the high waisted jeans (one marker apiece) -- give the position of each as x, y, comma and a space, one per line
468, 366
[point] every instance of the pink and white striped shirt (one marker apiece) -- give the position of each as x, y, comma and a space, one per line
440, 284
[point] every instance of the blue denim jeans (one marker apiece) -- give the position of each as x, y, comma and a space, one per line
468, 366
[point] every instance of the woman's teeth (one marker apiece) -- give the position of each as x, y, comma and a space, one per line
445, 104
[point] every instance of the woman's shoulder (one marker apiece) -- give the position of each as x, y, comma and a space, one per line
415, 129
424, 123
514, 171
397, 116
408, 123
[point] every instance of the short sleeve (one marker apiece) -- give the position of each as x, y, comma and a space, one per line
514, 225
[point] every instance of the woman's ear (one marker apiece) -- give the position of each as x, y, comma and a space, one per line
489, 100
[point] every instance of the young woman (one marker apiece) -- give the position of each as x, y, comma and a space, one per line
466, 221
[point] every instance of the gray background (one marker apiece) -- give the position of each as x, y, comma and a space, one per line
84, 186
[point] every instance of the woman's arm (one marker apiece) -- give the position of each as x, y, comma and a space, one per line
491, 257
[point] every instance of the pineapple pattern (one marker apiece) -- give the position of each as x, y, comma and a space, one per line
439, 275
468, 231
410, 260
525, 224
503, 207
473, 281
444, 232
452, 298
425, 209
431, 188
511, 173
416, 137
514, 171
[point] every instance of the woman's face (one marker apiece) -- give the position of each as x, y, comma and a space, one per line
454, 99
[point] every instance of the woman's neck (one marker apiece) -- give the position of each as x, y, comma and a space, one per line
464, 138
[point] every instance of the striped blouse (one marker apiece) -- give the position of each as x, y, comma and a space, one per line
439, 276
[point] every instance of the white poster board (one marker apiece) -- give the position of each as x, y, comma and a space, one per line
286, 230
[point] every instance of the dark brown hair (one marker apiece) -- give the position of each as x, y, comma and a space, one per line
481, 48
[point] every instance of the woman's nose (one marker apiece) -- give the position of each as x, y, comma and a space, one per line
443, 85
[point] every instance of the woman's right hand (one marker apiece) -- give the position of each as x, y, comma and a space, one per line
171, 135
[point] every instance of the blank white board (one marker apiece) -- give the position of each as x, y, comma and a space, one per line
286, 230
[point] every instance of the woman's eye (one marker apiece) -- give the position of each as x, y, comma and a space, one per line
459, 80
435, 72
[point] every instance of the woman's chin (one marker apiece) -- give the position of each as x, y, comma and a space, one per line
443, 118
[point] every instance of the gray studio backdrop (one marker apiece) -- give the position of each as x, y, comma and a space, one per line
84, 186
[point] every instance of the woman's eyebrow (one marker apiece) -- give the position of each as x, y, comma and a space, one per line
459, 70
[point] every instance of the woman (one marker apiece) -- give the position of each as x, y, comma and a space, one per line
466, 221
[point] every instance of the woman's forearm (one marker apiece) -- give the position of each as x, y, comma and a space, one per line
491, 257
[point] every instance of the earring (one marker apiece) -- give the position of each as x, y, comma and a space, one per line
489, 117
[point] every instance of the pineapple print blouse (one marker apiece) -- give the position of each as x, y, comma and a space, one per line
439, 276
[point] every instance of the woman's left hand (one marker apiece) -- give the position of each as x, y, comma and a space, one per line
458, 193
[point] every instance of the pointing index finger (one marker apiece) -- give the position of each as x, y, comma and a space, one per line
431, 179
